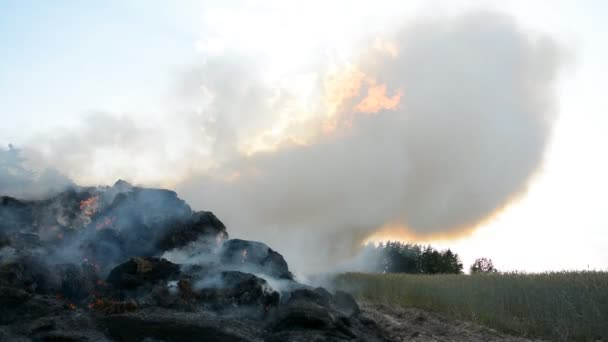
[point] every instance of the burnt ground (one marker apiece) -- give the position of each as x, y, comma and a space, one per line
412, 324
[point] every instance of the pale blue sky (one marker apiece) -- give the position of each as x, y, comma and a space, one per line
63, 58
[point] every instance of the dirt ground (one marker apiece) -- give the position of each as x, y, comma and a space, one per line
411, 324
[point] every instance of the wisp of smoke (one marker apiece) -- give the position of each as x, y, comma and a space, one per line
18, 180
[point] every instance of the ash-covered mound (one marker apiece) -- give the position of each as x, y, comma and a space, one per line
126, 263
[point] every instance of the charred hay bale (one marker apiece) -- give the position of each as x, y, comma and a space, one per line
7, 335
105, 248
111, 307
68, 326
122, 186
24, 241
175, 294
70, 281
65, 209
201, 226
5, 241
81, 335
315, 314
10, 296
31, 308
304, 314
153, 207
14, 214
26, 273
150, 221
301, 320
319, 296
75, 282
255, 257
142, 270
345, 303
234, 289
169, 325
341, 301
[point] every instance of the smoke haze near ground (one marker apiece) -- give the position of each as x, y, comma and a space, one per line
433, 129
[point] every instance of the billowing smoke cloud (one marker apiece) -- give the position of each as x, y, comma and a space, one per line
18, 179
432, 130
435, 130
106, 147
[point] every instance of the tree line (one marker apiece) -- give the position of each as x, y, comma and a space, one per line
399, 257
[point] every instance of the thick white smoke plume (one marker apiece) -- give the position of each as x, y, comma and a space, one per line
433, 130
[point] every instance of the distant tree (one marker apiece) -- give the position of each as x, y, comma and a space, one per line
429, 261
399, 257
450, 262
433, 261
483, 265
408, 258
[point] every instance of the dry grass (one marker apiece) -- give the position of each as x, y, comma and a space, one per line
563, 306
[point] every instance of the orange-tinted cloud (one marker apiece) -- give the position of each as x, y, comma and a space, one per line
377, 100
399, 232
351, 92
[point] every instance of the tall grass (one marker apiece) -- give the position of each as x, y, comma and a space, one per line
564, 306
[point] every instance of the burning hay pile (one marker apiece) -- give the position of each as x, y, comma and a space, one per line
125, 263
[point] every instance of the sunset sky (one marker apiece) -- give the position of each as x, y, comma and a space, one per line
207, 97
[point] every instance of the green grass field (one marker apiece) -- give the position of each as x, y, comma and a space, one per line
564, 306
